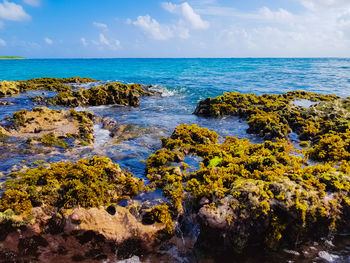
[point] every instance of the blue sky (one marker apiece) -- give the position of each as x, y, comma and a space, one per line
192, 28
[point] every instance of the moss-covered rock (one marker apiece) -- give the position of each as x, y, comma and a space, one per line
275, 116
8, 88
88, 183
67, 211
53, 127
111, 93
255, 193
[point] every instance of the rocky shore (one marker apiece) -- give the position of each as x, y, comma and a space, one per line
241, 196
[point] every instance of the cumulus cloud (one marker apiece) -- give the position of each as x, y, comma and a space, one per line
100, 25
32, 2
181, 29
48, 41
188, 14
12, 11
104, 42
153, 28
2, 43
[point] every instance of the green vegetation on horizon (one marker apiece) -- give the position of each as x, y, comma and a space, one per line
11, 57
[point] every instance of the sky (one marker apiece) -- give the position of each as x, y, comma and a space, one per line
176, 28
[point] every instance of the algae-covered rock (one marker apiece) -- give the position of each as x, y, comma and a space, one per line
269, 116
275, 116
8, 88
70, 210
256, 194
111, 93
87, 183
53, 127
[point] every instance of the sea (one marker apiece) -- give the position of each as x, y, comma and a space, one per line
182, 84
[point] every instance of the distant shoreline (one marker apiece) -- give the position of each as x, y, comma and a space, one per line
11, 57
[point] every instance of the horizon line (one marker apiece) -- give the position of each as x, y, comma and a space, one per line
185, 58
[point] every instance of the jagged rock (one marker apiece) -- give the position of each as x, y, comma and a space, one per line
9, 88
51, 127
5, 103
87, 234
111, 93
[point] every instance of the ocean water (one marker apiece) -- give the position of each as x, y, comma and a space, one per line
183, 82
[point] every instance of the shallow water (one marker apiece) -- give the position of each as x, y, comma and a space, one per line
183, 82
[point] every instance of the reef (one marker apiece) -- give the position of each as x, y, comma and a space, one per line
111, 93
276, 116
240, 195
9, 88
70, 211
245, 195
51, 127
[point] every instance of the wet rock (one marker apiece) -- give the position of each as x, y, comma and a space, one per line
93, 238
5, 103
52, 127
69, 211
40, 100
111, 93
246, 195
9, 88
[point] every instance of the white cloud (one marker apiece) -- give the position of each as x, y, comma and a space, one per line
321, 32
12, 11
83, 41
325, 4
48, 41
187, 12
32, 2
2, 43
188, 19
281, 15
100, 25
104, 42
153, 28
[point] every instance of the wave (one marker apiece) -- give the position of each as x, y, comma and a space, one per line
163, 91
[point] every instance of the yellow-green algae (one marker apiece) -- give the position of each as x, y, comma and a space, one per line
265, 192
8, 88
87, 183
275, 116
84, 119
111, 93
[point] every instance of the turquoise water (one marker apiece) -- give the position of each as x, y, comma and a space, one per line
200, 77
183, 82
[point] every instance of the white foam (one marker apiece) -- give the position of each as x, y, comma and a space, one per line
134, 259
164, 92
327, 256
102, 136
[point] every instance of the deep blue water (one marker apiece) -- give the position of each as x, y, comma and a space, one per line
184, 82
